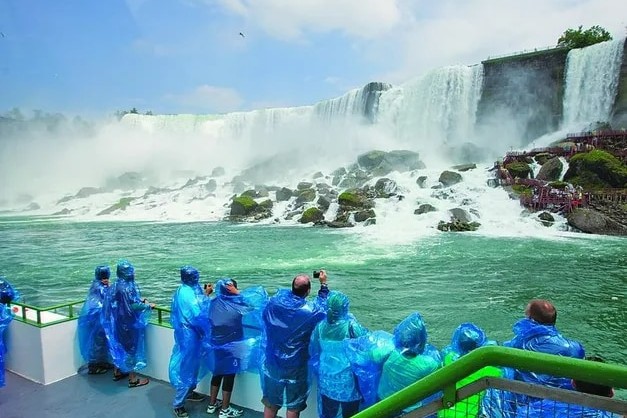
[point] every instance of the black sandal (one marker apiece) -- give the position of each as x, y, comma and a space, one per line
138, 382
97, 370
119, 376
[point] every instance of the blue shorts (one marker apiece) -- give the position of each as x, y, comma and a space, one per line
291, 393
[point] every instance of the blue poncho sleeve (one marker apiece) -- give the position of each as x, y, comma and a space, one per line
6, 316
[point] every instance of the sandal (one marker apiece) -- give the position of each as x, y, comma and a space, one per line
97, 370
119, 376
137, 383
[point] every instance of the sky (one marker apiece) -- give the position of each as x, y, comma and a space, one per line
94, 57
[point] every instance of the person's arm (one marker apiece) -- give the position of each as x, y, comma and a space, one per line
324, 288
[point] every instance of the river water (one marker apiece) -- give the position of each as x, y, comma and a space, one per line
450, 278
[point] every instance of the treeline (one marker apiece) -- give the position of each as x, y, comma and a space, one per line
120, 113
15, 121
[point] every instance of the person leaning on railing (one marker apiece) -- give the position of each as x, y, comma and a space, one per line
7, 295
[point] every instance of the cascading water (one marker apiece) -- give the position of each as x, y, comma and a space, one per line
439, 108
591, 83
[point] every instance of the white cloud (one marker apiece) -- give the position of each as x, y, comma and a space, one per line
207, 99
291, 19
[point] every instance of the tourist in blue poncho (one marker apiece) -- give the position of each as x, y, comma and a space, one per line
91, 335
190, 323
537, 332
412, 359
337, 387
231, 350
288, 322
466, 338
7, 295
125, 319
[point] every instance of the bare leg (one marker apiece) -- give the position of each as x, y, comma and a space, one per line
132, 376
292, 414
270, 412
213, 394
226, 399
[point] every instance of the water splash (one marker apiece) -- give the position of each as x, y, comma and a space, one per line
591, 83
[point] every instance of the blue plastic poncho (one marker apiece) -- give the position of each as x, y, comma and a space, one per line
466, 338
91, 335
532, 336
7, 294
336, 379
125, 320
412, 358
288, 321
231, 350
548, 408
367, 354
191, 324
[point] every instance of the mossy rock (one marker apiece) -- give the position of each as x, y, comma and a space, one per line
561, 185
266, 204
543, 157
518, 169
243, 205
312, 215
596, 170
354, 198
122, 204
306, 195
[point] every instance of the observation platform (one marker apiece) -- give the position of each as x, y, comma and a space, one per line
94, 396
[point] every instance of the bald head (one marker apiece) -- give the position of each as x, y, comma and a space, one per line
301, 285
542, 311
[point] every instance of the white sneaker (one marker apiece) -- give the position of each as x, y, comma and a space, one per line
213, 408
230, 412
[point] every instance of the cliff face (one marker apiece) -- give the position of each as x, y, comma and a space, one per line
527, 89
619, 119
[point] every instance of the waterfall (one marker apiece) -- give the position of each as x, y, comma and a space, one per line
591, 83
439, 107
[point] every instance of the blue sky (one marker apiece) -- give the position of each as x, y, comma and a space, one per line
92, 57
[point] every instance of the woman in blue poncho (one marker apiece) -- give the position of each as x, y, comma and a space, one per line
125, 319
7, 295
412, 359
231, 351
191, 325
337, 384
91, 335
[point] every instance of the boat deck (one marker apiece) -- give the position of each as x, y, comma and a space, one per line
94, 396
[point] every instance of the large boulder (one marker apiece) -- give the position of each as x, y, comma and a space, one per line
305, 195
459, 214
379, 163
217, 172
421, 181
283, 194
518, 169
449, 178
546, 219
243, 206
464, 167
362, 215
551, 170
594, 222
385, 188
424, 208
312, 215
371, 160
355, 198
596, 170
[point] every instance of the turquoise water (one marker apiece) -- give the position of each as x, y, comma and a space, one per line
449, 278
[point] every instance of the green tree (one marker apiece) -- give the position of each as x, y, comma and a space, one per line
579, 38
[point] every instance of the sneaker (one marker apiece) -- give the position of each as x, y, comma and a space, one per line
180, 412
213, 408
195, 397
230, 412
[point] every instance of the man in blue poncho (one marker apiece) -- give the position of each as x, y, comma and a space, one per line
412, 359
7, 295
91, 335
190, 323
337, 386
125, 319
288, 322
537, 332
231, 352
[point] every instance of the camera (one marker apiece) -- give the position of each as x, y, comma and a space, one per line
316, 274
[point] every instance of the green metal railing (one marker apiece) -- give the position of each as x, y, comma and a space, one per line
446, 378
69, 311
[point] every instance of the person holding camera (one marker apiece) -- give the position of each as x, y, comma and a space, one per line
288, 321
